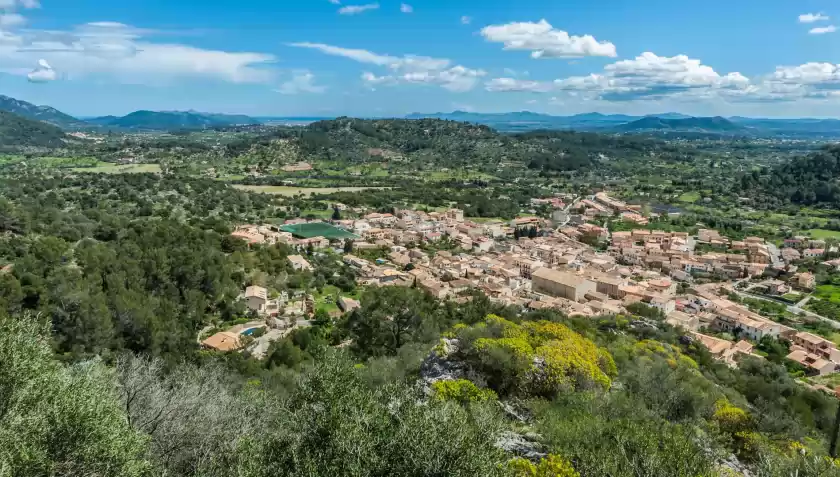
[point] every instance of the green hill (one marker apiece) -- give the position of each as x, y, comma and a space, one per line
17, 131
440, 143
170, 120
40, 113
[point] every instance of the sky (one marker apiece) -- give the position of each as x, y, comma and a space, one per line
768, 58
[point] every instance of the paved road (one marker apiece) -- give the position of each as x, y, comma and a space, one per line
775, 255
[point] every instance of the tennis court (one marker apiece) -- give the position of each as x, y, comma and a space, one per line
317, 229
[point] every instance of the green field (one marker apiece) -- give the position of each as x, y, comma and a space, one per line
689, 197
120, 169
293, 191
317, 229
828, 292
822, 234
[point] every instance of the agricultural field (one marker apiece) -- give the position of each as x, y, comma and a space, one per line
689, 197
822, 234
289, 191
107, 168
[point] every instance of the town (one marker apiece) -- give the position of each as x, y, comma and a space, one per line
577, 268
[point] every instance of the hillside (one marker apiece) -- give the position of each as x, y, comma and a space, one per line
18, 131
707, 125
808, 180
169, 120
529, 121
439, 144
40, 113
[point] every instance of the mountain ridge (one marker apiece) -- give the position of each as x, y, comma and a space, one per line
169, 120
46, 114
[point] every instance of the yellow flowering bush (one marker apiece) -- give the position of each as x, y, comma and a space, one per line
539, 358
461, 390
673, 356
730, 418
551, 466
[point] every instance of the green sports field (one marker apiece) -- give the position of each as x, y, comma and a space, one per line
317, 229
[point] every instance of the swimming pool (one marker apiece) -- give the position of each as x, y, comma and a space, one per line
250, 331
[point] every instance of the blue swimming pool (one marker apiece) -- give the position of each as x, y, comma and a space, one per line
250, 331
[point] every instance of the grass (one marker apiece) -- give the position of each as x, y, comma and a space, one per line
484, 220
689, 197
454, 174
792, 297
120, 169
288, 191
828, 292
321, 214
326, 299
822, 234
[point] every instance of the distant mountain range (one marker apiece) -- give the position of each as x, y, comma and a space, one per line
40, 113
670, 124
138, 120
170, 120
702, 125
666, 123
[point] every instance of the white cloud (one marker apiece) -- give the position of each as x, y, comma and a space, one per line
544, 41
122, 53
302, 81
407, 69
43, 73
812, 18
406, 8
822, 30
335, 2
356, 9
466, 20
14, 4
11, 20
516, 85
648, 76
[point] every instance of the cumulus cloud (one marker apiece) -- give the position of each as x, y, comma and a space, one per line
42, 74
407, 69
15, 4
545, 41
11, 20
812, 18
125, 54
466, 20
516, 85
302, 81
822, 30
356, 9
406, 8
648, 76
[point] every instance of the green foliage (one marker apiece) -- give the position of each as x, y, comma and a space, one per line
551, 466
17, 131
535, 358
58, 420
461, 390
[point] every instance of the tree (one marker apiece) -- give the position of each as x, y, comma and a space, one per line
389, 318
336, 215
348, 246
532, 232
60, 420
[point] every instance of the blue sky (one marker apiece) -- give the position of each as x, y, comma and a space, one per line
776, 58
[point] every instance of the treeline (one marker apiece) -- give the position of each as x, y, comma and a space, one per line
17, 131
134, 262
449, 144
805, 180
